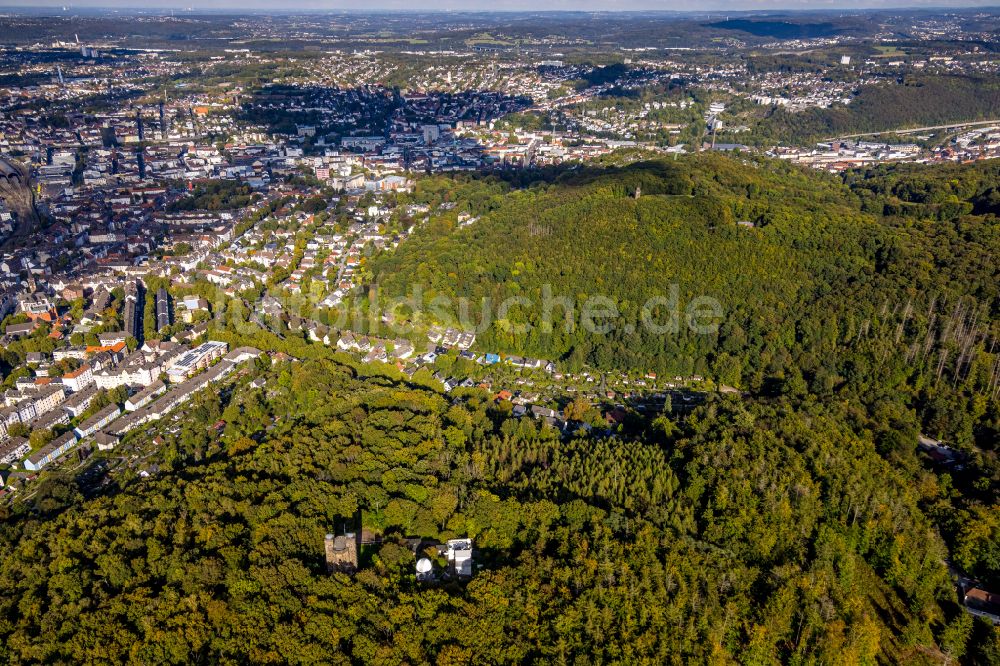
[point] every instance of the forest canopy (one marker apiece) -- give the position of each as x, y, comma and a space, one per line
790, 518
863, 288
764, 532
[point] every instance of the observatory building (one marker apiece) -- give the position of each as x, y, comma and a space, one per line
457, 553
425, 569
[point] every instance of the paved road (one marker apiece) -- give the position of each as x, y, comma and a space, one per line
917, 129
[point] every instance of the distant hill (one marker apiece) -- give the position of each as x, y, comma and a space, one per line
920, 102
780, 29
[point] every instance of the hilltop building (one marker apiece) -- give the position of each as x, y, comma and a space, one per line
343, 552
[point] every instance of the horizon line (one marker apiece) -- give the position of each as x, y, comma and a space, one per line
60, 8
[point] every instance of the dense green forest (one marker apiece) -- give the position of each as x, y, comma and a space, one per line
758, 532
882, 285
877, 289
795, 522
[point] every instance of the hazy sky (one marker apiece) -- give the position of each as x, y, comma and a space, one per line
503, 5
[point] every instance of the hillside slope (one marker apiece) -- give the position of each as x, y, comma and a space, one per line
823, 275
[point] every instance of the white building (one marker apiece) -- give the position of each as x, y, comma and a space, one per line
50, 452
197, 359
459, 555
14, 450
97, 421
79, 379
48, 398
143, 397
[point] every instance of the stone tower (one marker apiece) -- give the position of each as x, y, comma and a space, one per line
342, 552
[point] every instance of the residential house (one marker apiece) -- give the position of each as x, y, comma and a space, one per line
13, 450
21, 330
48, 397
102, 418
112, 338
50, 420
50, 452
79, 402
105, 441
197, 359
145, 396
79, 379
